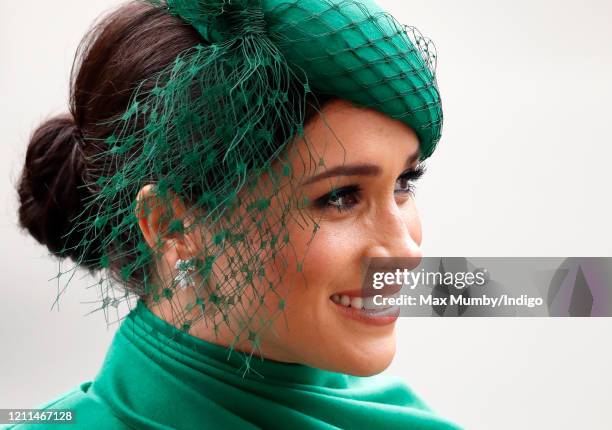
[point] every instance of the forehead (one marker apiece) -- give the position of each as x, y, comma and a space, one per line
345, 133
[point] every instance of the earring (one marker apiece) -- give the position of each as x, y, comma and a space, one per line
185, 271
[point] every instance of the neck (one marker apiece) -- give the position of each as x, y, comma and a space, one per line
213, 329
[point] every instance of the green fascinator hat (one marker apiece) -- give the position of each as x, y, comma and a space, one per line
214, 122
350, 49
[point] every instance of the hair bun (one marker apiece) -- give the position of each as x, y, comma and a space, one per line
51, 185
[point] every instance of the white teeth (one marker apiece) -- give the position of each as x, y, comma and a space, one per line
357, 302
365, 303
345, 300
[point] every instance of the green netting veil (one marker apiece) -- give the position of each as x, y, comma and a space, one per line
214, 130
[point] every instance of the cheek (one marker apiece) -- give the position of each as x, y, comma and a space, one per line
330, 256
329, 262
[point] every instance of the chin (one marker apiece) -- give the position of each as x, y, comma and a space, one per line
356, 354
375, 361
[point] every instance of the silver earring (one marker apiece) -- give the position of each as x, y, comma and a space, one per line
185, 273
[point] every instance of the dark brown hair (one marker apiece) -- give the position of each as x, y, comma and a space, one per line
125, 48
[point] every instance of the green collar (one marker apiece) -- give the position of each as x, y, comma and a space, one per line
156, 376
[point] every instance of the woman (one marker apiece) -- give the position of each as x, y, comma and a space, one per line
234, 166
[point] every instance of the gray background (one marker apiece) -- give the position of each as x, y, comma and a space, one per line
522, 170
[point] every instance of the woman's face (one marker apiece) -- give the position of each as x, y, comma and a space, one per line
372, 214
366, 158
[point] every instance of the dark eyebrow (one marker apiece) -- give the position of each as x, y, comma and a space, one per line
355, 170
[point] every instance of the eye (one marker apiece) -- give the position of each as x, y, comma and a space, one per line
341, 199
405, 182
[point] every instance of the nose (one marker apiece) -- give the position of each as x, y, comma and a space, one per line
391, 235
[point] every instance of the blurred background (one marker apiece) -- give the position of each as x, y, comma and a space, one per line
522, 170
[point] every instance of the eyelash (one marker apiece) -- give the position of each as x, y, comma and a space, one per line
355, 191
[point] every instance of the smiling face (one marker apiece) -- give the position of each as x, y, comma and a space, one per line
363, 204
355, 167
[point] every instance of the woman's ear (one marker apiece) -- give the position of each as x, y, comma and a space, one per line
162, 221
